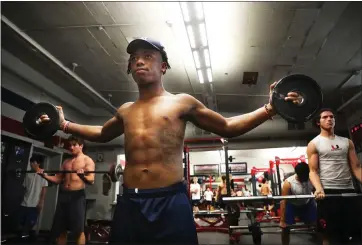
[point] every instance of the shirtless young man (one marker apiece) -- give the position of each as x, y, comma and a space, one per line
265, 191
70, 211
332, 160
155, 206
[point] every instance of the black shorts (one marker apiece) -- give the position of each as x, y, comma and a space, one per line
26, 218
195, 202
154, 216
208, 202
70, 212
267, 202
339, 218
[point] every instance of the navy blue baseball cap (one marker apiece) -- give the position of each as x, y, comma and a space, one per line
142, 42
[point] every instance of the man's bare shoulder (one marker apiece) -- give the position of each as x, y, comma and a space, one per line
185, 97
188, 100
88, 159
125, 106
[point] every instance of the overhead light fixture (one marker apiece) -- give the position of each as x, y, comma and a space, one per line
196, 30
199, 11
185, 12
203, 35
201, 76
207, 57
197, 59
190, 32
209, 75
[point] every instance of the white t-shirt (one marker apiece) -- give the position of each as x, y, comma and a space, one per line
208, 195
195, 187
33, 184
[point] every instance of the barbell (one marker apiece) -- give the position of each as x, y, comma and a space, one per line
311, 99
289, 197
114, 172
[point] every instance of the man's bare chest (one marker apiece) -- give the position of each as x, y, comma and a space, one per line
74, 164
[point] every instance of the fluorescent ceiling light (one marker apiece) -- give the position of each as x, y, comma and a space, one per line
197, 59
202, 28
190, 32
185, 12
199, 11
209, 74
207, 57
201, 77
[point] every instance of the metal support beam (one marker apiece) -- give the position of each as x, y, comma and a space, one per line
107, 105
356, 96
344, 82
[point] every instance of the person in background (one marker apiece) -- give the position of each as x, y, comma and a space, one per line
265, 191
222, 192
70, 211
332, 161
304, 209
208, 194
247, 192
195, 190
33, 201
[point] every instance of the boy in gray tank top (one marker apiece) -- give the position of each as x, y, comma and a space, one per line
304, 209
332, 161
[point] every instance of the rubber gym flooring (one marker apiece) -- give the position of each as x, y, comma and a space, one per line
221, 239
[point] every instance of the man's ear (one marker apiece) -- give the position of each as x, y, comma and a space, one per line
163, 68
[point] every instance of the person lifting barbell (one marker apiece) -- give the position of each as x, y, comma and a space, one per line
70, 211
333, 161
154, 128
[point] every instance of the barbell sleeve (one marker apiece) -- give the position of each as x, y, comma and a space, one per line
292, 197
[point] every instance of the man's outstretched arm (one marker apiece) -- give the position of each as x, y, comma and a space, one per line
212, 121
109, 131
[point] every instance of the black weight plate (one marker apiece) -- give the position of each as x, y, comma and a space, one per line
305, 86
45, 130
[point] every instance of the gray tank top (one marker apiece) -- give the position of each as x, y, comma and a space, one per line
334, 170
298, 188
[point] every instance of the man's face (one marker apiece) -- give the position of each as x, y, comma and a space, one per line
75, 148
146, 66
35, 165
327, 120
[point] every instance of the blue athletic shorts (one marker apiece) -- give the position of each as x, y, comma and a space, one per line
306, 213
154, 216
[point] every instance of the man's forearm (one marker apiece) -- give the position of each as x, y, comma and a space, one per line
87, 132
315, 180
54, 179
88, 179
358, 172
42, 195
282, 210
244, 123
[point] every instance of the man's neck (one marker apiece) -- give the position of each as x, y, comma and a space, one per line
150, 91
327, 133
78, 155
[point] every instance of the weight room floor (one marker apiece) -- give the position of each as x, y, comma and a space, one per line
220, 238
267, 239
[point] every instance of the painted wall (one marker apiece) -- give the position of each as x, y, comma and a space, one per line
101, 208
258, 158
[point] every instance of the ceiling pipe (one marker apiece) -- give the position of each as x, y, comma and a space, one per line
107, 105
353, 74
356, 96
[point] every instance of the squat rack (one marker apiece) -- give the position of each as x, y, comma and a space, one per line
224, 145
